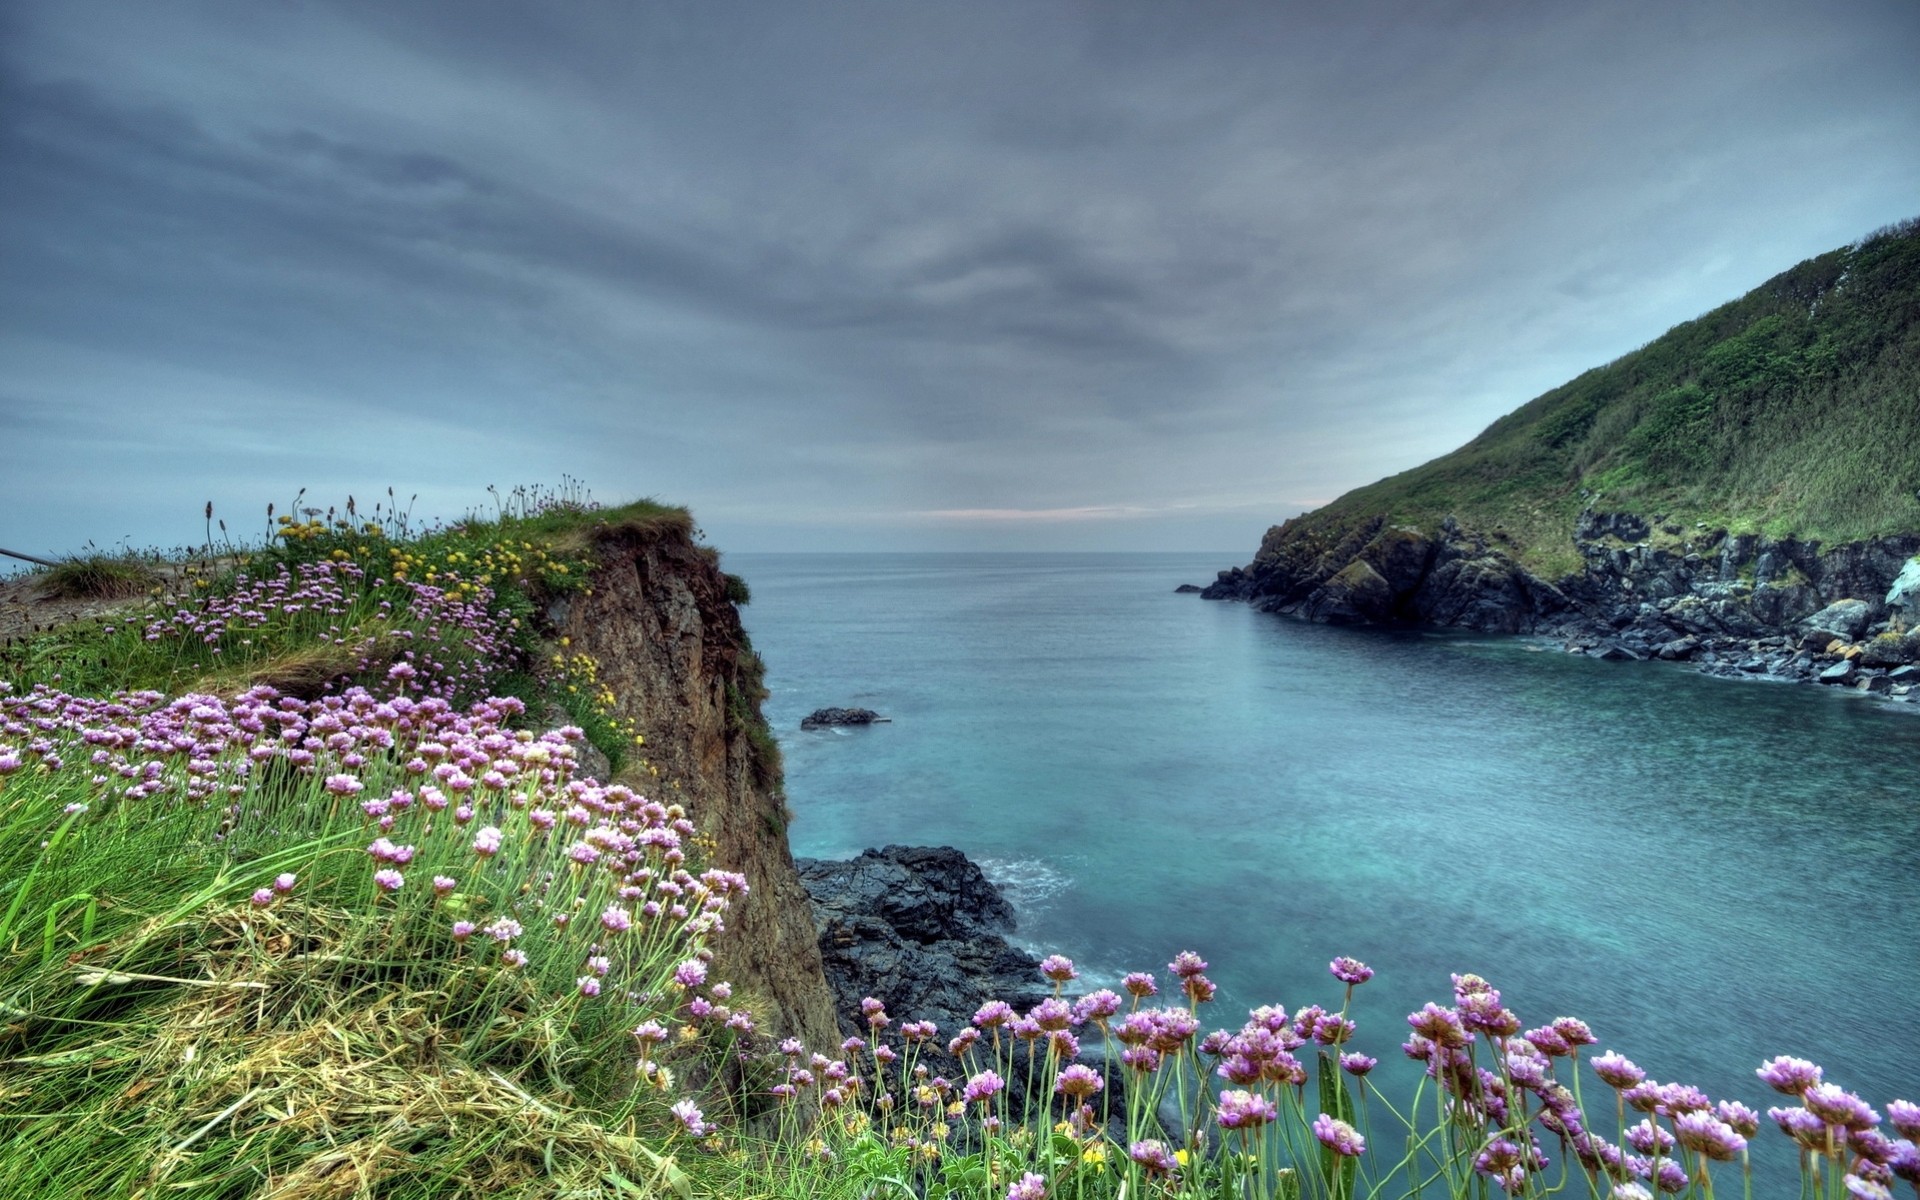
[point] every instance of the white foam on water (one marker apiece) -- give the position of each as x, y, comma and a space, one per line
1027, 883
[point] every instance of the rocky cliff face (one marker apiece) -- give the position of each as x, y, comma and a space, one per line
668, 642
1734, 603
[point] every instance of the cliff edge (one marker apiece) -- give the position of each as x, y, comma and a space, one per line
667, 641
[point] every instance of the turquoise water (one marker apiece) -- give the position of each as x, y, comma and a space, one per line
1709, 872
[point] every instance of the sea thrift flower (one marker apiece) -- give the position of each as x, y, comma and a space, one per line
462, 930
1140, 985
982, 1087
650, 1033
1617, 1070
1350, 971
1790, 1075
1058, 968
874, 1012
1187, 964
589, 985
1096, 1006
388, 879
1338, 1136
1743, 1120
1802, 1126
616, 919
443, 884
344, 785
992, 1013
504, 929
1574, 1031
262, 897
1030, 1187
1866, 1189
1078, 1080
1837, 1106
1244, 1110
1649, 1138
284, 882
689, 1115
486, 843
514, 958
690, 974
1357, 1064
1154, 1156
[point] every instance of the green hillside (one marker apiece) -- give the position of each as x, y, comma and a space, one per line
1793, 410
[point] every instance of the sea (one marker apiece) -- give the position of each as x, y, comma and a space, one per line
1708, 872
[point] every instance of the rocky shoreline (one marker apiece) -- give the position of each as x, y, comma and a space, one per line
1736, 605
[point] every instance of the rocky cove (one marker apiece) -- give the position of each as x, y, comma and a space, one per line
1730, 604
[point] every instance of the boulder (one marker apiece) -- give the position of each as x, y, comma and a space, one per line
1891, 649
1904, 596
1615, 652
1187, 589
1679, 649
822, 717
1904, 675
1840, 672
1876, 683
1844, 618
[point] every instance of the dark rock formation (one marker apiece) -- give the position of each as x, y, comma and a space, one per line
1186, 589
1733, 604
822, 717
922, 930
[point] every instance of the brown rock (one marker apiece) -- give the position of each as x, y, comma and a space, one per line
668, 642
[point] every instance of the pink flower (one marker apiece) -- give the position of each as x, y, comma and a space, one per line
486, 843
388, 879
262, 897
1338, 1136
690, 1116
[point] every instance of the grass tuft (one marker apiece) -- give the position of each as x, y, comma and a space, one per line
99, 577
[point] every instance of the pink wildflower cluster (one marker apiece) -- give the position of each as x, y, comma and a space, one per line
450, 640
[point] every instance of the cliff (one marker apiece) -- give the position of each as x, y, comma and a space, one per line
1704, 498
667, 641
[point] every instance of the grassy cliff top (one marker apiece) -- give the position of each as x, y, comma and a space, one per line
1793, 410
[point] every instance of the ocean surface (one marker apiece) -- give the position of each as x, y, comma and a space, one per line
1708, 872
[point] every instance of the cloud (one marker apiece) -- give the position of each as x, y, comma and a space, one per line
1032, 262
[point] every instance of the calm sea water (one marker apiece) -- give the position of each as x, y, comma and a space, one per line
1709, 872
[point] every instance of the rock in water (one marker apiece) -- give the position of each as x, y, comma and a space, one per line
821, 717
1187, 589
921, 929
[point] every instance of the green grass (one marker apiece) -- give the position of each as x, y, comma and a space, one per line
99, 577
1794, 410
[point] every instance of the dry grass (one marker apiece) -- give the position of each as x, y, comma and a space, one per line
99, 577
279, 1067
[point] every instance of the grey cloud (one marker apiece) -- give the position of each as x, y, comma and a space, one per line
873, 258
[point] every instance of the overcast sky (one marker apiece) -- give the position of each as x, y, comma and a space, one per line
889, 275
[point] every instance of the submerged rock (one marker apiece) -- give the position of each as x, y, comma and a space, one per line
1188, 589
822, 717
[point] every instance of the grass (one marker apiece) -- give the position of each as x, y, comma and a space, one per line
384, 942
99, 577
1793, 411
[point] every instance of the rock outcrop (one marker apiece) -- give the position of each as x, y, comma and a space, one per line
668, 643
821, 718
1730, 603
921, 929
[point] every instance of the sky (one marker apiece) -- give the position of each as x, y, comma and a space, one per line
1020, 275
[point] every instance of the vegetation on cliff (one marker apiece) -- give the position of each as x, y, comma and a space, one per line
1793, 410
371, 928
